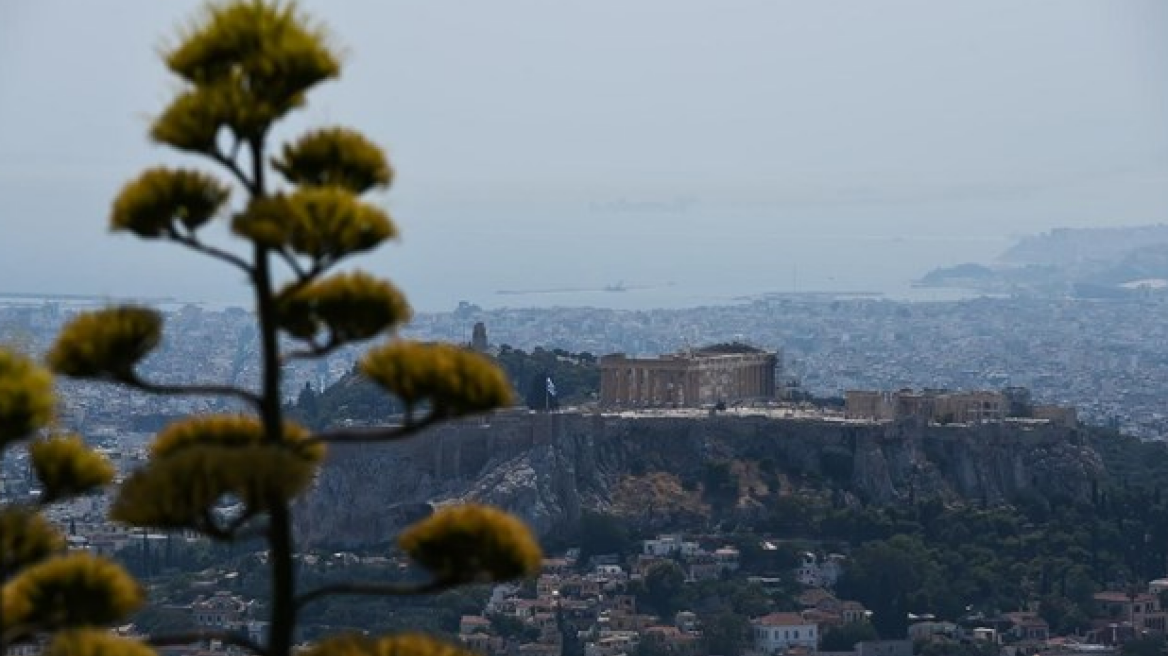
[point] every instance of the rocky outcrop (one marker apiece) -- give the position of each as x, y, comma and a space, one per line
549, 468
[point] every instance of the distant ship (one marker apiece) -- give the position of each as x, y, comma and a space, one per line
618, 286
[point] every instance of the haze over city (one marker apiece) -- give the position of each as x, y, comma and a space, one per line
687, 152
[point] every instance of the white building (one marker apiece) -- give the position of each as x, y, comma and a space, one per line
727, 559
818, 573
606, 573
778, 632
666, 546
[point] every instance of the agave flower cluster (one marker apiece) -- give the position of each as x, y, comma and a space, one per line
46, 590
244, 66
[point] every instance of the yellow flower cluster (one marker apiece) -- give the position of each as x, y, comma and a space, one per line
271, 42
67, 467
353, 306
230, 431
91, 642
150, 205
473, 543
106, 343
335, 156
250, 63
70, 591
193, 119
26, 397
25, 538
265, 221
324, 223
196, 462
405, 644
453, 380
330, 223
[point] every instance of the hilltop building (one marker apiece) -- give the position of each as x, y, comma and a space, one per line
722, 373
949, 407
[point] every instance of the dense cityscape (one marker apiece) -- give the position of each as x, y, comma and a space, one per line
1105, 358
615, 598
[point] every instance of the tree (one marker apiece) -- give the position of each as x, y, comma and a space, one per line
244, 66
845, 637
510, 626
720, 482
307, 406
600, 534
1145, 646
725, 633
888, 576
664, 584
652, 645
576, 376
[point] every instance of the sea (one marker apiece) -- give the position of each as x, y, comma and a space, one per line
681, 260
634, 256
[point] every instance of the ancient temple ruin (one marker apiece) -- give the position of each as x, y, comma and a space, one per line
722, 373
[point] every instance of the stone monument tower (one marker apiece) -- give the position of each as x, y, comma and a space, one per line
478, 338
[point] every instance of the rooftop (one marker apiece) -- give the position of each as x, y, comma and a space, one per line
781, 619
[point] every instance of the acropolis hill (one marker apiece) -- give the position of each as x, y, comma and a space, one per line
647, 466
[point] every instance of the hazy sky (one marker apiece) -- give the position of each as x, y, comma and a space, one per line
668, 126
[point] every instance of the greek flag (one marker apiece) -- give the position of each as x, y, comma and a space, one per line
551, 387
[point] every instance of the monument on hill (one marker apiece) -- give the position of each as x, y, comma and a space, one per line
721, 373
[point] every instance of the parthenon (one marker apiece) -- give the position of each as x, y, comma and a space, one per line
722, 373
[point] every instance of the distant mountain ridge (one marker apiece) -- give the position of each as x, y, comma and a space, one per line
1066, 246
1075, 262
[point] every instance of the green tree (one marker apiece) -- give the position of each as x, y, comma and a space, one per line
509, 626
576, 375
720, 482
845, 637
1147, 646
600, 534
750, 600
891, 577
725, 633
243, 66
307, 407
652, 646
664, 585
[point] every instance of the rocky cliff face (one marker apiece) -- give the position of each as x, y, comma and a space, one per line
549, 468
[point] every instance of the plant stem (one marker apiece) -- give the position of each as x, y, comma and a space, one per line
283, 626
